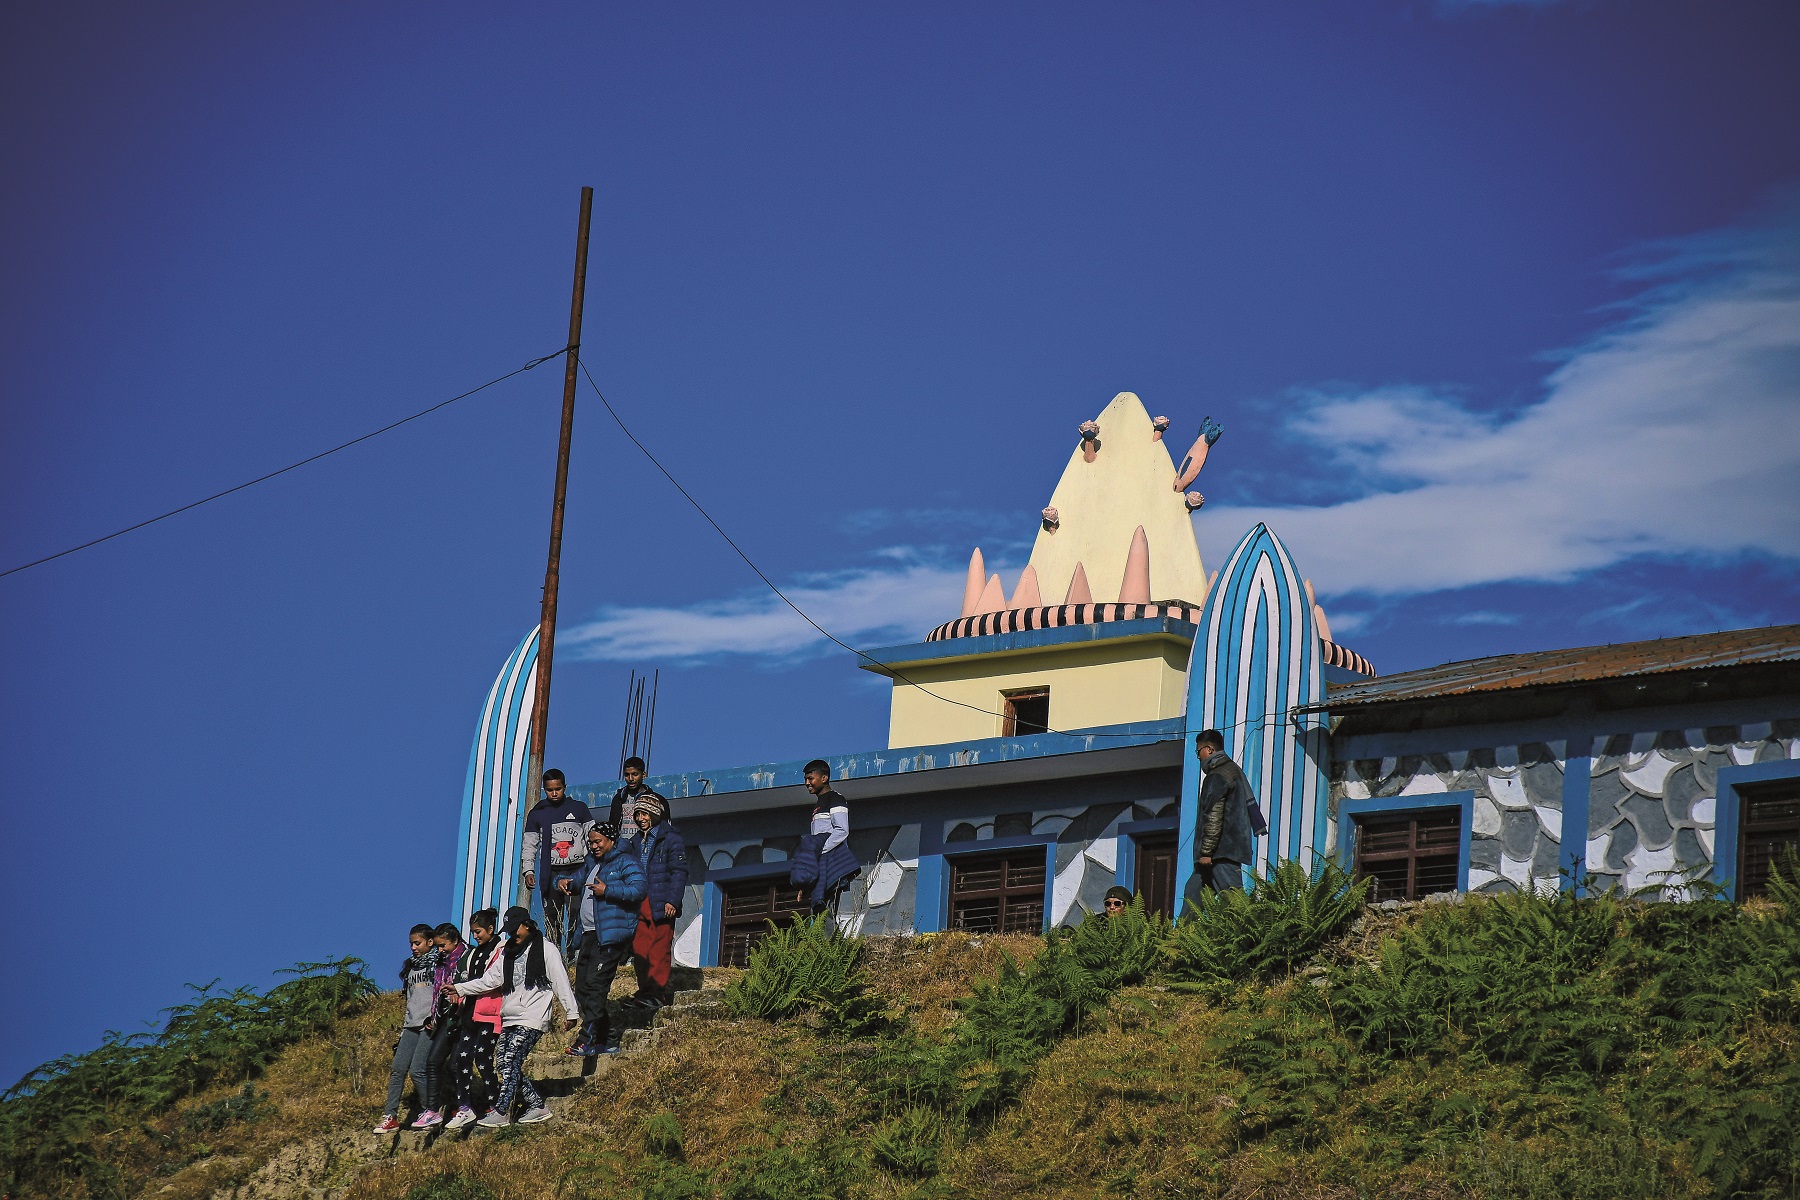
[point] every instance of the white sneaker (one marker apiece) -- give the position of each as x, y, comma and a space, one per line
535, 1115
493, 1120
464, 1116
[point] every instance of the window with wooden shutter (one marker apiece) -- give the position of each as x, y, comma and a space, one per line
1409, 854
998, 893
1027, 712
749, 907
1768, 831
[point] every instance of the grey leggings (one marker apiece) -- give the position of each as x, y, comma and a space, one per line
411, 1056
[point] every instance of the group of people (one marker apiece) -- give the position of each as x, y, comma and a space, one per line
614, 888
475, 1009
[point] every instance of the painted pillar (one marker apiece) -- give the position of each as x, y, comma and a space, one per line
492, 828
1257, 657
1578, 778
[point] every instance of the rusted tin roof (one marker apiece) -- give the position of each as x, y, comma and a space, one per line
1585, 664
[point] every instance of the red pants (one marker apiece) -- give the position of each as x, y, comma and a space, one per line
652, 951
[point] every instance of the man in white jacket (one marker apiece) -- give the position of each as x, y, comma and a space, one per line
530, 972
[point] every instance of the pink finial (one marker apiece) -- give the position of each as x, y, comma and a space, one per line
972, 584
1135, 588
1079, 591
1026, 594
1051, 518
1157, 425
1190, 466
1090, 440
1323, 624
993, 597
1194, 501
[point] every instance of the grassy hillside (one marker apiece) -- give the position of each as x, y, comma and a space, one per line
1292, 1044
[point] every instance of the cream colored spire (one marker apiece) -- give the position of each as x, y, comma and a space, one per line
1101, 504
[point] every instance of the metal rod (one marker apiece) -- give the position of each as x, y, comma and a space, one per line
650, 737
540, 708
625, 726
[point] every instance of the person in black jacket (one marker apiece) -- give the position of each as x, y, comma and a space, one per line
623, 814
1222, 842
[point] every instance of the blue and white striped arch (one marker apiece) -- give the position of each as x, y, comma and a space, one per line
1256, 657
493, 825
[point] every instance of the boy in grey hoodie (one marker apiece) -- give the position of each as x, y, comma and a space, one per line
412, 1053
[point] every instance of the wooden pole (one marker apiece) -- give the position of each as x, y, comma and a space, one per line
540, 708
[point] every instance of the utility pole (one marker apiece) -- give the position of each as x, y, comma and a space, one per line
540, 708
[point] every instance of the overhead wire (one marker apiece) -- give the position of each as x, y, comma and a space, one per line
824, 632
284, 470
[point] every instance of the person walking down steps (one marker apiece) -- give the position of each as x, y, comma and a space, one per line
530, 974
412, 1053
611, 895
662, 854
553, 856
478, 1026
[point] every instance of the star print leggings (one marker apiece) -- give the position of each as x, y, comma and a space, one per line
515, 1045
472, 1068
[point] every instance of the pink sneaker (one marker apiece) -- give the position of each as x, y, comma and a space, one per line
428, 1118
388, 1125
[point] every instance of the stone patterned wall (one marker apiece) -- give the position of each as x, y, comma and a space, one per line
1517, 836
1654, 797
1650, 804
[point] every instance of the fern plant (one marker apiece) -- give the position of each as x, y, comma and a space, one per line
1232, 936
808, 965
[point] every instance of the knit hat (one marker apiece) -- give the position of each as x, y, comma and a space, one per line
1119, 893
655, 805
607, 830
515, 917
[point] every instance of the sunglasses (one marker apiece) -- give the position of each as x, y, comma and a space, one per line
1115, 904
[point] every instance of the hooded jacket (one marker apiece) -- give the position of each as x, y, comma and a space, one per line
613, 917
526, 1007
663, 855
1225, 798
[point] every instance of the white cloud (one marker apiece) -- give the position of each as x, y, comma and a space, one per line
1676, 432
864, 607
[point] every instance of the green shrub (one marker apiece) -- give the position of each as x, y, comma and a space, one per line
450, 1186
1232, 936
1121, 950
909, 1144
821, 1170
53, 1121
808, 965
245, 1107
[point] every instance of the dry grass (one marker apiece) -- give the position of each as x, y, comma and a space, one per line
319, 1086
923, 976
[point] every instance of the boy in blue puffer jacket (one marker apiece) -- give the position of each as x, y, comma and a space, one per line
663, 855
611, 892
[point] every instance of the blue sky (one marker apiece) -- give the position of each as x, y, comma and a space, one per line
1498, 303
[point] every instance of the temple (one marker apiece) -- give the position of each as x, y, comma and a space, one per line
1040, 742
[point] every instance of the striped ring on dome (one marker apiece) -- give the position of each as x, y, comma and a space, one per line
1056, 616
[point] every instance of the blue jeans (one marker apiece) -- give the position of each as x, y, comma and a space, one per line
1224, 875
411, 1056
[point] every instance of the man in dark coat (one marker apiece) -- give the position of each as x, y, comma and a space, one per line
1222, 840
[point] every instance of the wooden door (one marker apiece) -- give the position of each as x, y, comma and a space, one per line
1155, 880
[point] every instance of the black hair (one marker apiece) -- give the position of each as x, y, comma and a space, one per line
633, 761
535, 974
427, 930
487, 918
555, 774
818, 766
447, 930
1210, 737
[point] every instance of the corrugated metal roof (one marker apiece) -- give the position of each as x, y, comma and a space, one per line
1584, 664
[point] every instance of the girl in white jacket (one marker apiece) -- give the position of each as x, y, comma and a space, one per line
530, 973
